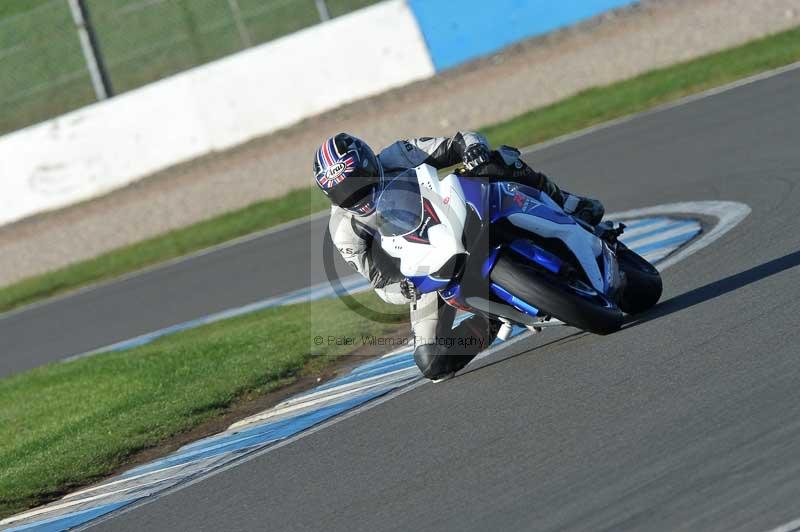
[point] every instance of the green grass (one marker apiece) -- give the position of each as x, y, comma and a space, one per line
67, 424
582, 110
44, 70
644, 92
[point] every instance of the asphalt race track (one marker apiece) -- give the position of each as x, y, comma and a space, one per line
688, 418
211, 282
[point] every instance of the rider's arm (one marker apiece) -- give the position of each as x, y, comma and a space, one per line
439, 152
355, 244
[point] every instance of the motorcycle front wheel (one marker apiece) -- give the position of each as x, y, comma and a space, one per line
574, 303
643, 287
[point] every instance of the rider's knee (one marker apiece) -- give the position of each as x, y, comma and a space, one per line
436, 362
430, 361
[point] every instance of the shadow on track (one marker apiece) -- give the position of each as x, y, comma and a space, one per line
670, 306
717, 288
522, 350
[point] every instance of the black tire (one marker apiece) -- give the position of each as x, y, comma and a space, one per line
643, 285
545, 292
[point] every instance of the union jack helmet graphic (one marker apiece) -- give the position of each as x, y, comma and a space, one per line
348, 172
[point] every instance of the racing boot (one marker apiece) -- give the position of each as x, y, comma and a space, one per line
448, 354
588, 210
505, 164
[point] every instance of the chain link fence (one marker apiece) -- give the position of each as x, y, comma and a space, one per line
45, 74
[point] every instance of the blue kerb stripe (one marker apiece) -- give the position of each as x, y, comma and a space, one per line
272, 426
654, 232
230, 444
680, 239
385, 361
265, 434
384, 365
362, 376
71, 520
260, 430
396, 363
644, 222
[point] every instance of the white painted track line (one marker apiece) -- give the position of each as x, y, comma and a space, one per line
661, 236
643, 229
728, 213
791, 526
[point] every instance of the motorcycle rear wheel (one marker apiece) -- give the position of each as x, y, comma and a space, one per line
551, 296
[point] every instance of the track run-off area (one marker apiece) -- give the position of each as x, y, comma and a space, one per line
688, 418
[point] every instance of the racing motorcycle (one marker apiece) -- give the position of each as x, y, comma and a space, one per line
510, 253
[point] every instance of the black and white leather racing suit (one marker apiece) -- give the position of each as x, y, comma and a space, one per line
439, 350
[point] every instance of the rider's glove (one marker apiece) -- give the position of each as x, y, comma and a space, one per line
408, 290
475, 155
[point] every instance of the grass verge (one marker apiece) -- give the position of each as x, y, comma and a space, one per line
601, 104
65, 425
585, 109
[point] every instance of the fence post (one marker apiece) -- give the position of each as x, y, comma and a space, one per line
236, 13
322, 8
91, 49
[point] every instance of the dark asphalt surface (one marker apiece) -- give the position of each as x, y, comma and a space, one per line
267, 266
687, 420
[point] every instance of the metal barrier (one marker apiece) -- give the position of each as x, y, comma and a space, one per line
45, 68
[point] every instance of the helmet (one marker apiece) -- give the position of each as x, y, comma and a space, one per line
349, 173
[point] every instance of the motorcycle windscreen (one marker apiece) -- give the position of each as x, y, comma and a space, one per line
399, 207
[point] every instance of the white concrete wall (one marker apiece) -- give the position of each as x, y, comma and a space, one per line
108, 145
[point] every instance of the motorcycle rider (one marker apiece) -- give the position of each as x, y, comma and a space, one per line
352, 176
